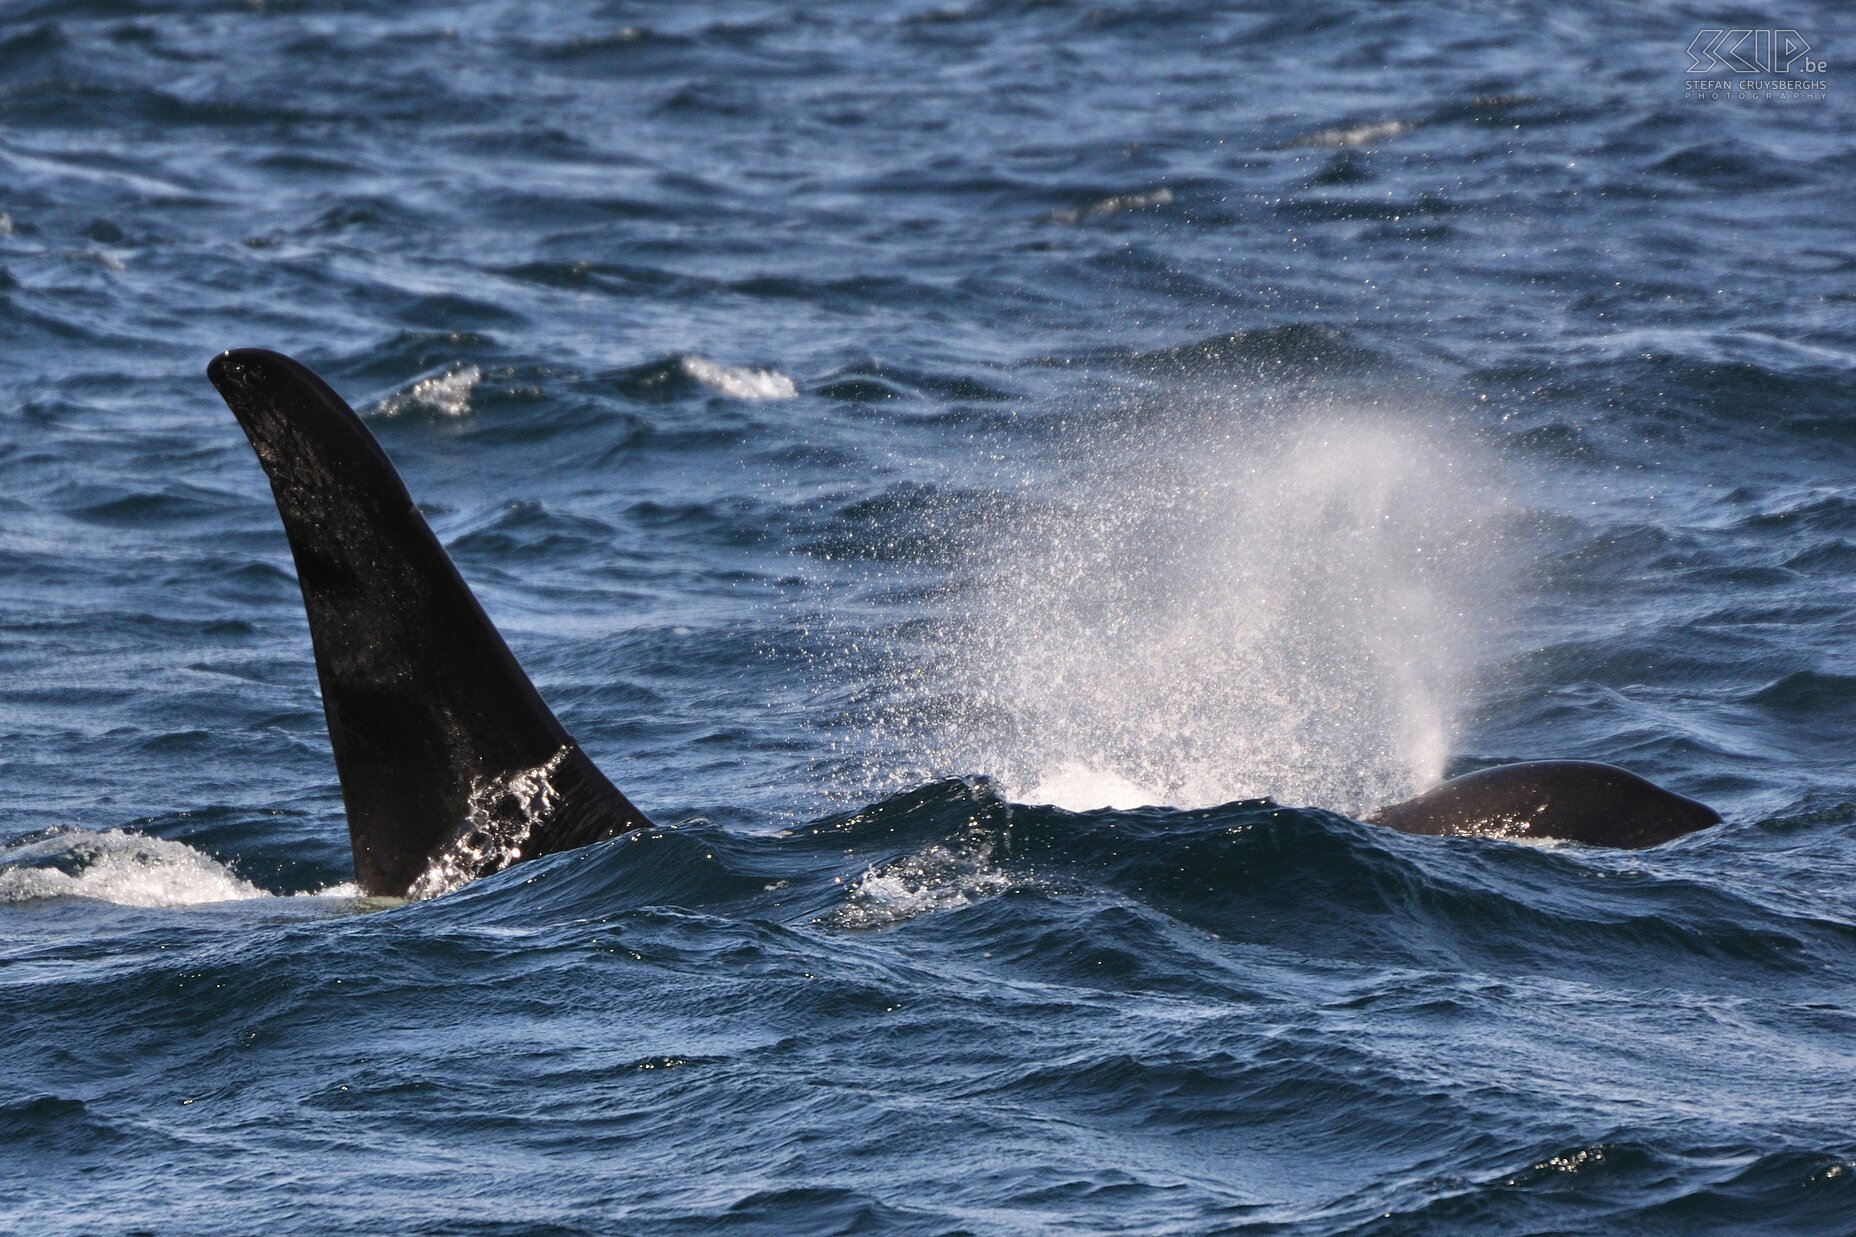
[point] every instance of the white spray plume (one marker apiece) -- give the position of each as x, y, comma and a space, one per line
1290, 608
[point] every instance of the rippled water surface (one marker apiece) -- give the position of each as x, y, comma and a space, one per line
1005, 483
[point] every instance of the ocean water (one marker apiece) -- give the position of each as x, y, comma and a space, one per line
1004, 483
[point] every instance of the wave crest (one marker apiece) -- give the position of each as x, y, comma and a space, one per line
128, 869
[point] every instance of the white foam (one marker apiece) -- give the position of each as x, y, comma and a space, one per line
346, 889
738, 382
129, 869
942, 877
447, 393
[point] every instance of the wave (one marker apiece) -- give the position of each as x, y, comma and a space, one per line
739, 382
446, 393
127, 869
1149, 896
1288, 351
1057, 893
685, 373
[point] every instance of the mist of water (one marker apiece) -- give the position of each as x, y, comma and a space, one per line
1290, 606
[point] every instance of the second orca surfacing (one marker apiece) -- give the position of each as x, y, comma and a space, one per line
451, 765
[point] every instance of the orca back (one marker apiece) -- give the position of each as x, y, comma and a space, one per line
1574, 800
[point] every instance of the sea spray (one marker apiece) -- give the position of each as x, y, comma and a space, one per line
129, 869
1289, 604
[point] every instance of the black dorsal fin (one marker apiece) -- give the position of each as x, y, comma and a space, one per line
451, 765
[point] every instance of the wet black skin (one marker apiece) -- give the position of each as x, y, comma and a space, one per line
425, 703
429, 713
1575, 800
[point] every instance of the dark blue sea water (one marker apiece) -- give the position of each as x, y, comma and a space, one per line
1003, 482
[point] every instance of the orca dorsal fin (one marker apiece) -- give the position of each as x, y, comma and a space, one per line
451, 765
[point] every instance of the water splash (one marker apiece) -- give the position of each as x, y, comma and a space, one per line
503, 813
1076, 786
1289, 608
945, 876
447, 394
739, 382
129, 869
